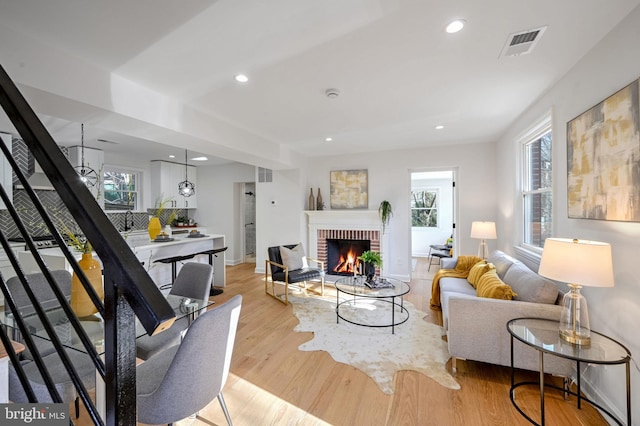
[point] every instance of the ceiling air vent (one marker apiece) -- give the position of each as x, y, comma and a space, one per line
522, 42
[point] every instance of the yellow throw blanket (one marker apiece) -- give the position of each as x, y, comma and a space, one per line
461, 271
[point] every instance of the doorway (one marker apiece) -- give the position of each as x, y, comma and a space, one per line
249, 203
433, 208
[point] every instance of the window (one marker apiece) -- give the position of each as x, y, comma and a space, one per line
424, 208
121, 189
537, 193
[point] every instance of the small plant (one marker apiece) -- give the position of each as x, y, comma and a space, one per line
385, 213
80, 244
161, 205
180, 219
372, 257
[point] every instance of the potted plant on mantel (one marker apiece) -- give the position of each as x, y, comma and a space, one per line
371, 260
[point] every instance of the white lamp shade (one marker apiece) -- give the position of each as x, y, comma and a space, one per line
581, 262
483, 230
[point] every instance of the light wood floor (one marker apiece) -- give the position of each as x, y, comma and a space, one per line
272, 383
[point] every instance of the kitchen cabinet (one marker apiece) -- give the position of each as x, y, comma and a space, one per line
6, 173
93, 158
165, 178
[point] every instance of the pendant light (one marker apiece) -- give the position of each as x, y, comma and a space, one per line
88, 176
186, 188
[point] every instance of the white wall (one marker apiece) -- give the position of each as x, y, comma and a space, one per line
218, 189
279, 213
390, 179
611, 65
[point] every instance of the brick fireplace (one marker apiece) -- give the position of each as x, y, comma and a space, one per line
358, 225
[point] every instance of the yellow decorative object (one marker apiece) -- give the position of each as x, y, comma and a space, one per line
80, 301
154, 227
491, 286
477, 271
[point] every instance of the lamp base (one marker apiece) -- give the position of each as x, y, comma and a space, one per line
483, 250
575, 338
574, 319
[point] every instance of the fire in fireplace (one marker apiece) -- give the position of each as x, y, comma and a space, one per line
342, 255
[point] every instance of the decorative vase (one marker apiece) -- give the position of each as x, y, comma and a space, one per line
167, 230
312, 201
319, 204
80, 301
154, 227
369, 269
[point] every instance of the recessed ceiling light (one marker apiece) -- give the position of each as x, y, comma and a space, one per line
172, 156
439, 127
199, 159
328, 139
455, 26
241, 78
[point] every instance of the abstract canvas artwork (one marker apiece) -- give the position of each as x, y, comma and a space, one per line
349, 189
603, 156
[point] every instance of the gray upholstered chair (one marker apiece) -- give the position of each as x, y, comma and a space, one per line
184, 379
193, 281
82, 362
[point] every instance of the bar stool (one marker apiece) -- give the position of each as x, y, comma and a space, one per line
174, 269
211, 253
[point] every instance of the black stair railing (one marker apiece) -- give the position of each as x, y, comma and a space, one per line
129, 292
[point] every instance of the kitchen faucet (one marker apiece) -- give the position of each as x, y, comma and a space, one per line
126, 222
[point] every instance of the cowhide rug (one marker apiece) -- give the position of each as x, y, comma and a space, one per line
416, 345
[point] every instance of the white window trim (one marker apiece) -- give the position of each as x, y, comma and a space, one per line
124, 169
429, 189
541, 126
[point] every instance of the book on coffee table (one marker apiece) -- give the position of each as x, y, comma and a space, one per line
379, 283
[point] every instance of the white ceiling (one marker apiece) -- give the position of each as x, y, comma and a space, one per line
398, 72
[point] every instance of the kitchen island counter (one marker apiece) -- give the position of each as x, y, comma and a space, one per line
149, 253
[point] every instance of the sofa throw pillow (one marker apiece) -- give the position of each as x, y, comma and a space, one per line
478, 270
491, 286
292, 258
530, 286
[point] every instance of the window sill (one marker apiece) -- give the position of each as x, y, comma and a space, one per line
529, 257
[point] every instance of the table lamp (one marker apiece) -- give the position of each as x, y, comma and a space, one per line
577, 263
483, 231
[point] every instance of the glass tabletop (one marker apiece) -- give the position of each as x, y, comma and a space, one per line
544, 335
356, 286
93, 325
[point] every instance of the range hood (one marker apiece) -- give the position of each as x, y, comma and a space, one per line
38, 180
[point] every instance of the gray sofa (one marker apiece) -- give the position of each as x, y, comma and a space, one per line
476, 326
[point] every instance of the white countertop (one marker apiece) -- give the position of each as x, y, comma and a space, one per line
143, 242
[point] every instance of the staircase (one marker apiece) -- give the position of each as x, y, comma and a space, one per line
129, 292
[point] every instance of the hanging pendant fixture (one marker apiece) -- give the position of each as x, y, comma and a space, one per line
88, 176
186, 188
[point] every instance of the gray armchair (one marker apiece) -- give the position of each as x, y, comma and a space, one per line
184, 379
193, 281
283, 273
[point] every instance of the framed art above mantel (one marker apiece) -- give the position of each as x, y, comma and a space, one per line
603, 159
349, 189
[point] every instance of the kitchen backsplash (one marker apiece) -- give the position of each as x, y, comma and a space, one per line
53, 204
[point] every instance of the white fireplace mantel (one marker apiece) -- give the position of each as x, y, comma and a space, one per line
344, 219
367, 220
